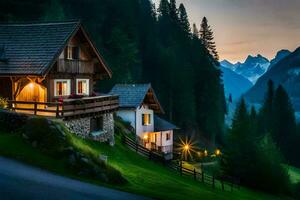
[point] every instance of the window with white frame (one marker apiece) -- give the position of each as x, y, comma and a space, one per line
146, 119
82, 86
62, 87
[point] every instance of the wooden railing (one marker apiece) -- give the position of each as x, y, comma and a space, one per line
221, 182
67, 108
75, 66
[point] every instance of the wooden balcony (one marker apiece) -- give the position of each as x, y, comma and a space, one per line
69, 108
75, 66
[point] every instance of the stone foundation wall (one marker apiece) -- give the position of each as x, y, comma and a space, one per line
82, 128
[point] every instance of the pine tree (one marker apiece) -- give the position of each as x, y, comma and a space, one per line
284, 122
173, 11
163, 8
230, 98
207, 37
195, 31
183, 19
266, 112
250, 157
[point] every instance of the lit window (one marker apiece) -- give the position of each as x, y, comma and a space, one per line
146, 119
72, 53
82, 86
62, 87
168, 136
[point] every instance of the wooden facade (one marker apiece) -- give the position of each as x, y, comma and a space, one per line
67, 85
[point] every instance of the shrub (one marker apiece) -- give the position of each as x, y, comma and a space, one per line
11, 121
45, 135
3, 103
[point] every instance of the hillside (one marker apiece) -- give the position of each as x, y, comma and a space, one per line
144, 177
234, 84
287, 73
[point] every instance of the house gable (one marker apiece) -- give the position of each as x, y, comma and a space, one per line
33, 49
133, 96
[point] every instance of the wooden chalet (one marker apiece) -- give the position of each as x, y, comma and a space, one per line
50, 69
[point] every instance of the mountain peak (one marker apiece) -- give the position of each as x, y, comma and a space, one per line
258, 58
279, 56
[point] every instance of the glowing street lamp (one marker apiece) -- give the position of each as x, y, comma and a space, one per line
218, 152
186, 147
205, 153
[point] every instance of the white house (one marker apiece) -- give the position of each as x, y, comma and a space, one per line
138, 106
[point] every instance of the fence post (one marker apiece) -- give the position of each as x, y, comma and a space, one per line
35, 108
231, 186
202, 176
57, 110
213, 181
137, 147
195, 175
181, 168
222, 182
150, 155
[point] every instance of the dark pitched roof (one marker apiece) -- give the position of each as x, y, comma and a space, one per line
162, 125
32, 48
133, 95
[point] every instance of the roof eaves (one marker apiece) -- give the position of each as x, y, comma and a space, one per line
49, 67
101, 59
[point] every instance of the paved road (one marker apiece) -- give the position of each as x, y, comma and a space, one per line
19, 181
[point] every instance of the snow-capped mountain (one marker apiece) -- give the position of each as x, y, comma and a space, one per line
285, 72
253, 67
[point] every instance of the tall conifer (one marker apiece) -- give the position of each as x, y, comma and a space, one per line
183, 19
207, 37
173, 11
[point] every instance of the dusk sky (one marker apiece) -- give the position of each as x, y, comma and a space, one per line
244, 27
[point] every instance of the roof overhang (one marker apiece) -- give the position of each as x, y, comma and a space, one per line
78, 28
152, 101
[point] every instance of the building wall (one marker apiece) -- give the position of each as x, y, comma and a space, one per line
135, 119
166, 142
140, 129
82, 128
127, 116
161, 138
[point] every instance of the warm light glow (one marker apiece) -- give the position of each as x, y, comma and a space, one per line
31, 85
186, 147
145, 137
218, 152
205, 153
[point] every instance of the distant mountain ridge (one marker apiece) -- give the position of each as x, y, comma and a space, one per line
252, 68
285, 72
279, 56
234, 84
255, 66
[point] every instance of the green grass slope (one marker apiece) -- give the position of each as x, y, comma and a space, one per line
144, 177
294, 174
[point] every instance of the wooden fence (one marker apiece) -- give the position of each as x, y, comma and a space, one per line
222, 182
67, 108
